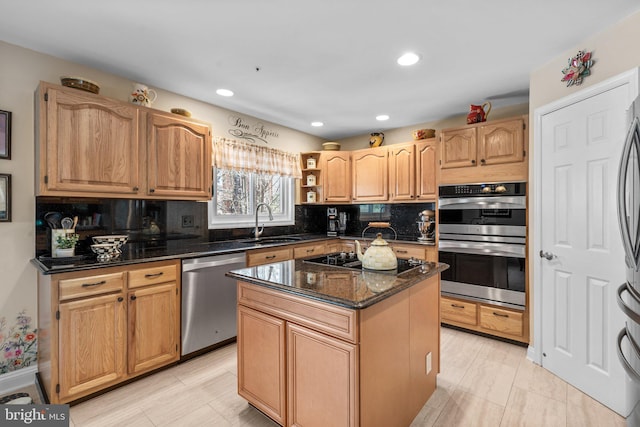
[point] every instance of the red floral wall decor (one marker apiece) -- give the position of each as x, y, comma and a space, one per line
579, 67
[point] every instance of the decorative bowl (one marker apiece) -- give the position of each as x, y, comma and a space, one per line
424, 134
331, 146
80, 83
116, 239
103, 248
181, 111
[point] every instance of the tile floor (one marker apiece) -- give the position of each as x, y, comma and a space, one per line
483, 382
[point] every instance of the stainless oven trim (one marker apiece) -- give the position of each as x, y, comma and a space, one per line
484, 238
482, 248
495, 296
485, 202
478, 229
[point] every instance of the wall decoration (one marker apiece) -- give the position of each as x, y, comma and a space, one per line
5, 198
251, 132
579, 68
18, 343
5, 134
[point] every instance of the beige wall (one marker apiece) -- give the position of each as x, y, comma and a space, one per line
20, 72
405, 134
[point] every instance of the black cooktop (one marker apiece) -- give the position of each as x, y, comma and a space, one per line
350, 261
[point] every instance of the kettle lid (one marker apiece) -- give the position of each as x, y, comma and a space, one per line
379, 241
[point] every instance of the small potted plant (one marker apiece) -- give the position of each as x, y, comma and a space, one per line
66, 244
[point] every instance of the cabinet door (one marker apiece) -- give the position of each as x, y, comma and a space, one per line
91, 145
322, 379
153, 327
336, 171
179, 158
501, 143
458, 148
370, 175
92, 343
426, 184
402, 172
261, 362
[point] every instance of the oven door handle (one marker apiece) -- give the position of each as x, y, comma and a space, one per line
480, 248
495, 202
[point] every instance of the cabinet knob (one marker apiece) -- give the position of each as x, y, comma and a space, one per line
120, 299
133, 297
482, 161
152, 190
473, 162
135, 188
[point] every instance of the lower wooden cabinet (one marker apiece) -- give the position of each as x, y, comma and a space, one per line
486, 318
103, 326
308, 363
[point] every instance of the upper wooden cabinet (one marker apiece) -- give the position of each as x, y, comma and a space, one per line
336, 171
426, 170
89, 145
485, 152
402, 172
178, 157
370, 175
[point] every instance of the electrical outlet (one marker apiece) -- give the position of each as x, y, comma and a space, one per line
428, 362
187, 221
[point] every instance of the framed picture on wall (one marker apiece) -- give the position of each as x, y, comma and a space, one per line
5, 134
5, 197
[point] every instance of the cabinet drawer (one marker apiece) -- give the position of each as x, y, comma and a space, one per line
408, 251
309, 250
91, 285
268, 256
326, 318
501, 320
458, 311
152, 275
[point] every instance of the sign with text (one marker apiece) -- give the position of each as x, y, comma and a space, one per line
252, 132
34, 415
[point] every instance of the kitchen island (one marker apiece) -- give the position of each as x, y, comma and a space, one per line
320, 345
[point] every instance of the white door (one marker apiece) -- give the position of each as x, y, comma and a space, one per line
583, 258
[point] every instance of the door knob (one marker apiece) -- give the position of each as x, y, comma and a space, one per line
547, 255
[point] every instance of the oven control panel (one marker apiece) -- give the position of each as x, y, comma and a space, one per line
501, 189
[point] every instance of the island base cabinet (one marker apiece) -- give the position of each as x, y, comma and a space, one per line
322, 379
261, 362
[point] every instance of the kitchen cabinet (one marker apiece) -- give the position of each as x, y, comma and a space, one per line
269, 255
489, 319
485, 152
101, 327
402, 172
178, 157
309, 250
321, 364
426, 170
370, 175
92, 146
336, 171
311, 178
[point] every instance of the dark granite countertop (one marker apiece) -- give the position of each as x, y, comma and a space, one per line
177, 249
355, 289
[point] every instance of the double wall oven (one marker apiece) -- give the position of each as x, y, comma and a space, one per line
482, 236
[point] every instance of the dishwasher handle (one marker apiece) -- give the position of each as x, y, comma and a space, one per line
213, 261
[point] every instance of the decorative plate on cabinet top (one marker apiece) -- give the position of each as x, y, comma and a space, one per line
80, 83
181, 111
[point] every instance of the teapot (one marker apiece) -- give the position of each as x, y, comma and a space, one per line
379, 256
477, 113
376, 139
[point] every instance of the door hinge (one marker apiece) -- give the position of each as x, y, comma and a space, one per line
46, 96
176, 291
440, 161
57, 388
58, 315
524, 153
46, 179
176, 348
524, 126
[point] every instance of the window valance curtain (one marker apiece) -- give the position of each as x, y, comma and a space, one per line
239, 155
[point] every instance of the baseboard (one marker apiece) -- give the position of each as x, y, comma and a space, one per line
17, 379
532, 355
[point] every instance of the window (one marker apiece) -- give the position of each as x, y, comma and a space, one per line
237, 193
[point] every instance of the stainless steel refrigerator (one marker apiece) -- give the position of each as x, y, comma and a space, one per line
629, 292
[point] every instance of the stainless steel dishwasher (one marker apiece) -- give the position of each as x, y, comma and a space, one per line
208, 301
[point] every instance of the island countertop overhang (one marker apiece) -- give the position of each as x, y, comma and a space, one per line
343, 287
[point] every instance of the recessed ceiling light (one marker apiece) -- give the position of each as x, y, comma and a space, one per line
317, 124
224, 92
408, 58
382, 117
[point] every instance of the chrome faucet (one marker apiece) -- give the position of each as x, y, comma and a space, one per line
257, 232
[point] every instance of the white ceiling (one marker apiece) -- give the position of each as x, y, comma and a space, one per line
330, 60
